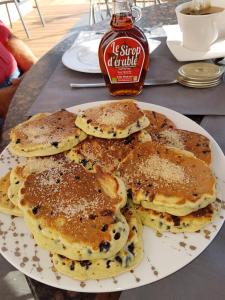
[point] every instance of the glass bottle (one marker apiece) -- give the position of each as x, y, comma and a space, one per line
124, 52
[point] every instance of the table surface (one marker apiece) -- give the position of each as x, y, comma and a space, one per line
204, 277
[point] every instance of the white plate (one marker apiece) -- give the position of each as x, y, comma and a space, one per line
83, 56
174, 43
163, 255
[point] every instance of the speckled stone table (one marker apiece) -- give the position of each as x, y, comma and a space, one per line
204, 277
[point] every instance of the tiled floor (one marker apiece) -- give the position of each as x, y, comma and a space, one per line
13, 284
59, 15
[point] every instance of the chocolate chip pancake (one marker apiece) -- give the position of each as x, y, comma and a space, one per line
158, 122
185, 140
6, 206
107, 153
162, 222
78, 211
17, 178
45, 134
113, 120
126, 259
168, 179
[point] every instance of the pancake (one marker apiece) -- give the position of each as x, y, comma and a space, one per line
123, 261
45, 134
104, 152
16, 181
158, 122
113, 120
168, 179
186, 140
6, 206
64, 202
162, 222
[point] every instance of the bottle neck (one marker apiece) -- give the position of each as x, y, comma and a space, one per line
122, 15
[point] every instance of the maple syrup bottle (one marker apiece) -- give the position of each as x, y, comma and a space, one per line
124, 53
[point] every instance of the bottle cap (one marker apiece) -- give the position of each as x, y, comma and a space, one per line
201, 71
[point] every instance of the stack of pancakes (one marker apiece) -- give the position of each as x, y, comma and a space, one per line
91, 180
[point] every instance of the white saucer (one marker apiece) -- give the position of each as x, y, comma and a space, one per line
174, 43
83, 55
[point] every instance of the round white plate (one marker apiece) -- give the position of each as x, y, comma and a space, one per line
83, 57
163, 254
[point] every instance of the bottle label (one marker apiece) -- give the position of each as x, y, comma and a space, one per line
124, 58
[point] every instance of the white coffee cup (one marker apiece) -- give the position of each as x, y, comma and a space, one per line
201, 31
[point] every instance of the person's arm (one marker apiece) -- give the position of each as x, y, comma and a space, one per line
23, 55
6, 95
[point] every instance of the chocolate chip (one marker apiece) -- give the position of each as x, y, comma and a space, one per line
39, 227
104, 246
84, 162
114, 134
134, 228
85, 264
92, 217
131, 248
154, 114
104, 227
118, 259
138, 124
17, 182
195, 194
117, 236
55, 144
106, 212
77, 177
108, 264
35, 209
129, 193
96, 127
72, 266
89, 121
128, 140
99, 190
17, 141
176, 220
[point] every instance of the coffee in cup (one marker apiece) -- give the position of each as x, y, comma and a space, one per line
201, 28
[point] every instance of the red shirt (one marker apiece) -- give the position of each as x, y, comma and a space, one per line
8, 63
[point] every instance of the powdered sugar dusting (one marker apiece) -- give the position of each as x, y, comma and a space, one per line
112, 117
173, 138
162, 169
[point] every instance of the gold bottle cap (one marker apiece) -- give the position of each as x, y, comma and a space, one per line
201, 71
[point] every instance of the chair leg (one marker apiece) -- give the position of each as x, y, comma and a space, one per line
107, 8
21, 18
7, 9
39, 12
92, 13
